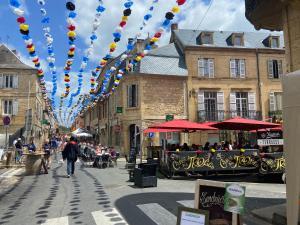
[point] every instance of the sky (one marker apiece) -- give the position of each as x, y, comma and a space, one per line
223, 15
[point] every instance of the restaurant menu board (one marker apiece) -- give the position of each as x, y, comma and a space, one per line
268, 138
212, 199
235, 198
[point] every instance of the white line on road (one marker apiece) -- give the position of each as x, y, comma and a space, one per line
158, 214
187, 203
108, 217
57, 221
10, 173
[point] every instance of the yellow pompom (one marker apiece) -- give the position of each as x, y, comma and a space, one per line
124, 18
154, 39
213, 150
175, 9
113, 45
32, 49
69, 63
71, 53
243, 150
138, 58
72, 34
24, 27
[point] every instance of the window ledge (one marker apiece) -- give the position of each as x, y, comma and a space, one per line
132, 108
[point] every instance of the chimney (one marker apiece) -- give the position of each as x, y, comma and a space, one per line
140, 45
174, 26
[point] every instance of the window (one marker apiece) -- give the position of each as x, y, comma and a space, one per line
206, 67
8, 81
237, 68
275, 69
242, 104
132, 95
274, 42
275, 101
238, 40
207, 38
211, 105
10, 107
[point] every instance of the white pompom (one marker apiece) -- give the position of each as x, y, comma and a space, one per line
49, 40
119, 29
113, 68
28, 42
19, 12
139, 34
123, 57
83, 65
161, 30
146, 52
44, 12
70, 21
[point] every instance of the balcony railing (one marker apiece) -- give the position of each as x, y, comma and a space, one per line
220, 115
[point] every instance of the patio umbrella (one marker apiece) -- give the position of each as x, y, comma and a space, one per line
183, 125
154, 130
279, 128
239, 123
82, 135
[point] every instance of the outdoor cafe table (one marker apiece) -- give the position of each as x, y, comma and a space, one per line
205, 162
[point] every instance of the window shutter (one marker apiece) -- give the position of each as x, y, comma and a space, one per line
270, 69
1, 81
15, 107
136, 95
232, 68
15, 81
232, 100
201, 106
272, 104
201, 67
280, 71
252, 101
220, 105
242, 68
211, 68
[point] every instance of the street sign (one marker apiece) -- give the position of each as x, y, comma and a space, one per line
151, 135
6, 120
169, 117
119, 109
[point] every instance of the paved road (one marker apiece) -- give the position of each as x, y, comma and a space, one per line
105, 197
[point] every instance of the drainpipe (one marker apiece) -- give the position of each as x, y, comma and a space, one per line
259, 81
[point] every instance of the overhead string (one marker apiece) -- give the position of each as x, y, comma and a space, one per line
71, 52
117, 35
50, 50
93, 37
18, 10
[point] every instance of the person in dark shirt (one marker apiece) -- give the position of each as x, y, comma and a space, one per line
70, 153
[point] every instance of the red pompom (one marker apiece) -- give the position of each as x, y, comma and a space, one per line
71, 27
21, 20
180, 2
157, 35
123, 23
72, 49
29, 46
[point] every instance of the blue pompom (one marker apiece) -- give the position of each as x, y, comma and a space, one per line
117, 35
148, 47
147, 17
166, 23
151, 8
72, 15
128, 4
46, 20
93, 37
100, 8
15, 3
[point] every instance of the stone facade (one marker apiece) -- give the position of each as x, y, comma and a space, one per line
24, 94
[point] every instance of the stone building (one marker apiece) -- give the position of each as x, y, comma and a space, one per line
20, 95
200, 76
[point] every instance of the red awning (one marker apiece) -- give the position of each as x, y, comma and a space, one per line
155, 130
183, 125
239, 123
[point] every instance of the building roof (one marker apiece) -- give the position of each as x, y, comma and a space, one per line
9, 60
220, 38
166, 60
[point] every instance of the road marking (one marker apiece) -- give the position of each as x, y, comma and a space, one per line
158, 214
57, 221
187, 203
108, 217
11, 173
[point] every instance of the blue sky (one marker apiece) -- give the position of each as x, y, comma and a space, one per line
223, 15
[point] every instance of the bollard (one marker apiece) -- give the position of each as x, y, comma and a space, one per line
8, 158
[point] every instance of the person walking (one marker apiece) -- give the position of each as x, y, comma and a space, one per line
18, 145
70, 153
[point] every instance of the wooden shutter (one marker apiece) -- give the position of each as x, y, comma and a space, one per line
136, 95
220, 105
280, 70
270, 69
15, 107
252, 101
242, 68
1, 81
129, 96
272, 104
232, 68
211, 68
15, 81
232, 101
201, 67
201, 105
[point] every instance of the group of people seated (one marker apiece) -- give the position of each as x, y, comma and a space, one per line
221, 146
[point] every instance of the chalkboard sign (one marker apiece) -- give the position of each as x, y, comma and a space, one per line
132, 155
210, 196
